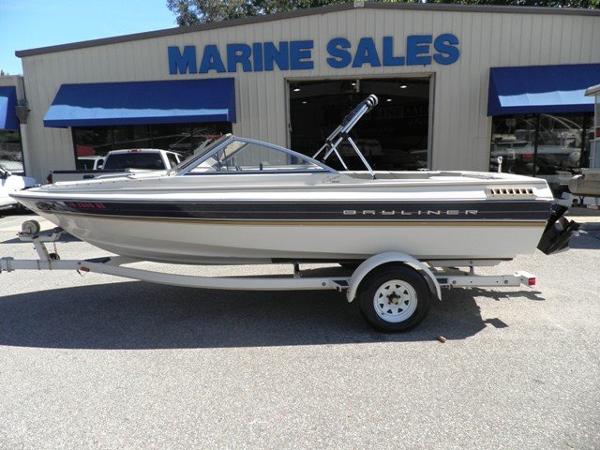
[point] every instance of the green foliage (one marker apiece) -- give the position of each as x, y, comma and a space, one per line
190, 12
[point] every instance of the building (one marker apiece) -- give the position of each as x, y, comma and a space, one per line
458, 86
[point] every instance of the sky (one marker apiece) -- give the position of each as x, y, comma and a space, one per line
26, 24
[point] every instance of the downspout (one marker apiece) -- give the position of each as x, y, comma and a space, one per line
22, 111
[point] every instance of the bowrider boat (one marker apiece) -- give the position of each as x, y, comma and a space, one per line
243, 201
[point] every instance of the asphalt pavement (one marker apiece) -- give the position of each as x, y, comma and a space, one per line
99, 362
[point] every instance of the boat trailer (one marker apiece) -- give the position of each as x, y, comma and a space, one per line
368, 278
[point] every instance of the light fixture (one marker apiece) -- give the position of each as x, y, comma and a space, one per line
296, 89
353, 83
304, 102
403, 86
388, 99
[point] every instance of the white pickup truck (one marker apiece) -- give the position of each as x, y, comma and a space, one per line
118, 162
90, 163
10, 183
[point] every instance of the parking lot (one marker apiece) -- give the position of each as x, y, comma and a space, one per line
94, 361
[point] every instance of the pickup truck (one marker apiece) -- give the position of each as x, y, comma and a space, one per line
10, 183
118, 162
90, 163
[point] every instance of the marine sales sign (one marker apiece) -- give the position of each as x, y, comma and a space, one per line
340, 53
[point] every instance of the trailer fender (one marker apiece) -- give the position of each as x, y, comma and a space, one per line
391, 257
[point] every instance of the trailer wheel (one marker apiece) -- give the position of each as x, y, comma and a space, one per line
394, 298
31, 227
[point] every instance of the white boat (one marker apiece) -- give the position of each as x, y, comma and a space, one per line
244, 200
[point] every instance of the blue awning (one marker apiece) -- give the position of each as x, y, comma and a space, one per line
146, 102
8, 102
541, 89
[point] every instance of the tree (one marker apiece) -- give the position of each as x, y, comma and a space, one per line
3, 73
190, 12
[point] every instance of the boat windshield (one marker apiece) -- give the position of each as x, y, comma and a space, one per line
200, 151
239, 155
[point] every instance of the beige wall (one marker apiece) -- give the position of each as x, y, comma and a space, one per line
13, 80
461, 129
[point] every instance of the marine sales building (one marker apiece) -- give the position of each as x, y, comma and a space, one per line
458, 87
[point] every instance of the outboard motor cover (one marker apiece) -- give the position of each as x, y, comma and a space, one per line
558, 231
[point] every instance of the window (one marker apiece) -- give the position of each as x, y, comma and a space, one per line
184, 139
240, 156
134, 160
89, 163
173, 161
513, 140
594, 148
560, 143
549, 146
11, 155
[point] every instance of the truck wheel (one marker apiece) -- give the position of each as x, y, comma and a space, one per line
394, 298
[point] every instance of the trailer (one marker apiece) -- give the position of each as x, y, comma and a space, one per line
394, 290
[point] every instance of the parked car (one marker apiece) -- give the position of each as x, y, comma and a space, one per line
9, 183
118, 162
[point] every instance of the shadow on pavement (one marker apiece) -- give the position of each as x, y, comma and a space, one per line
12, 212
65, 237
137, 315
588, 238
506, 295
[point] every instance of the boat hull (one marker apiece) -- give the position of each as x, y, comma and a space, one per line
304, 217
193, 241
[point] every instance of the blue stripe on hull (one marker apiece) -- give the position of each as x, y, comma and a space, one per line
521, 210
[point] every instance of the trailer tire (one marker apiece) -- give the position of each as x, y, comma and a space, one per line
30, 227
394, 298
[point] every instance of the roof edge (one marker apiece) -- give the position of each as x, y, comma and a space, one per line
303, 13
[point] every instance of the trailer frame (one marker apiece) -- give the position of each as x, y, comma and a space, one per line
435, 278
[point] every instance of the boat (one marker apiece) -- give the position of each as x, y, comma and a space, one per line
586, 184
242, 200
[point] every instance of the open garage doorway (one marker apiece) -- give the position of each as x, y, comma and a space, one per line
393, 136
